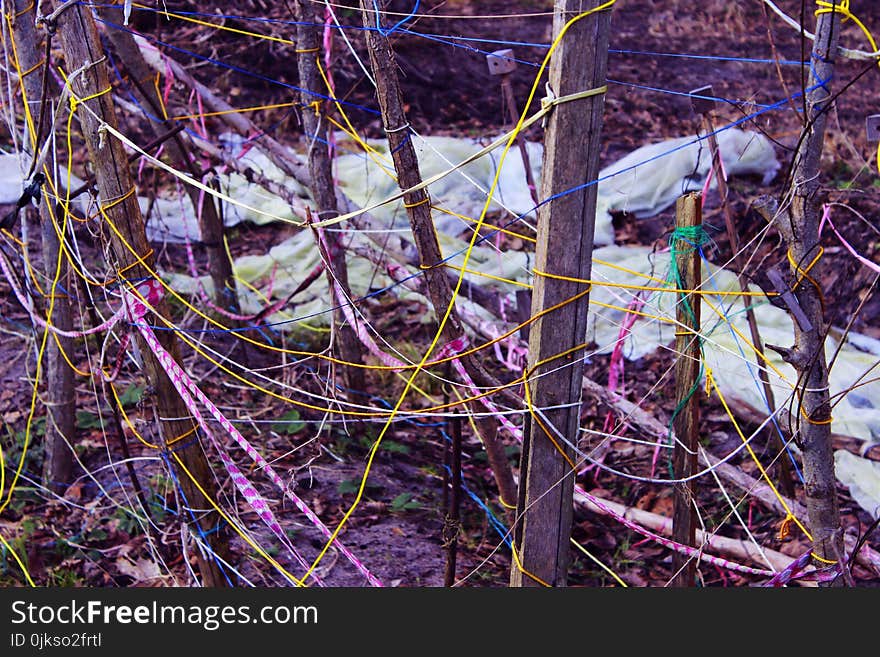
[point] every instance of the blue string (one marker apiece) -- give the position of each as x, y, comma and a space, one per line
244, 71
716, 58
195, 522
503, 42
700, 138
686, 94
399, 23
497, 525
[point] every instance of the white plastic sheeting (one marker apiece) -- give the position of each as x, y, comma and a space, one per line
643, 183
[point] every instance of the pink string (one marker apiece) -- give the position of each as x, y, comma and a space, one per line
617, 364
826, 216
357, 326
27, 304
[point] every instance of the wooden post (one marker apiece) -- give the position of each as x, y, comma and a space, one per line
452, 523
799, 227
60, 395
704, 109
688, 268
316, 130
210, 222
81, 46
565, 247
418, 208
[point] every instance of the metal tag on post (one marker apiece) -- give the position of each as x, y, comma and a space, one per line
501, 62
872, 127
702, 100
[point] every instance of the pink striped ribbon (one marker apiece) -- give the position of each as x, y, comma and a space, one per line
181, 383
151, 291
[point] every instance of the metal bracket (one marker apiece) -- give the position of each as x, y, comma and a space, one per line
702, 100
501, 62
788, 297
872, 127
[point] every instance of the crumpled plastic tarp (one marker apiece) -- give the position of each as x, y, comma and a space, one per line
643, 183
665, 170
862, 477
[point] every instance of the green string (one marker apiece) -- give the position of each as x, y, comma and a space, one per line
684, 240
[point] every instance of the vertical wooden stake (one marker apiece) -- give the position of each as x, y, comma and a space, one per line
317, 129
687, 380
452, 525
133, 260
210, 222
60, 395
565, 246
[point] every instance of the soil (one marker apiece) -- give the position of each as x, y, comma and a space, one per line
398, 528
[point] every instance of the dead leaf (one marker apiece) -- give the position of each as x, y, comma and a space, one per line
140, 570
663, 506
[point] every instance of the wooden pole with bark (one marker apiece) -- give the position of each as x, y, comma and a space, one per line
418, 208
799, 227
316, 129
564, 250
60, 394
210, 222
688, 349
128, 248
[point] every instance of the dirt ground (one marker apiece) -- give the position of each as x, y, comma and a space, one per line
398, 530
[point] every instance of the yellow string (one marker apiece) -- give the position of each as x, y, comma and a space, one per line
159, 97
599, 563
242, 110
789, 514
648, 288
247, 539
18, 560
842, 8
66, 357
33, 68
486, 224
127, 419
103, 208
521, 568
427, 199
449, 309
223, 28
829, 562
24, 11
44, 339
481, 274
505, 504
